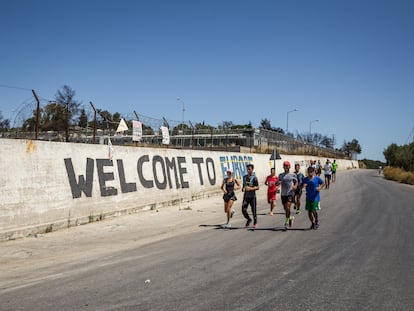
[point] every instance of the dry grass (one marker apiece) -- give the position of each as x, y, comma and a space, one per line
397, 174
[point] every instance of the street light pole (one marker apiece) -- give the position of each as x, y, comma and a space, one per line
182, 119
310, 126
287, 119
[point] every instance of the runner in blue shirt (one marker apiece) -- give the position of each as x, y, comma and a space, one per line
313, 185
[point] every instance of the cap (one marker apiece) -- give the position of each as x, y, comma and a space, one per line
229, 170
286, 163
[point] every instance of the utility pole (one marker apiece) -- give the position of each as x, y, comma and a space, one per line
287, 120
136, 115
37, 115
94, 122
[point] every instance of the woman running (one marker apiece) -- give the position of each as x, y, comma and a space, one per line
229, 185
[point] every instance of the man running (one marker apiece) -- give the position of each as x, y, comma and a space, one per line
334, 168
328, 173
271, 189
250, 185
289, 184
298, 191
313, 185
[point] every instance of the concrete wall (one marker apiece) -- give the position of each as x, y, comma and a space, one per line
45, 186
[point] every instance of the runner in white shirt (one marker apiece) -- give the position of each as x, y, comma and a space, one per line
328, 173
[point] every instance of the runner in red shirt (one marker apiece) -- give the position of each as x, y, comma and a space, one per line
271, 189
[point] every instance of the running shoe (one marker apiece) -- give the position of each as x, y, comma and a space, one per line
255, 226
271, 213
227, 225
232, 213
249, 221
291, 218
312, 226
297, 211
294, 206
316, 226
286, 225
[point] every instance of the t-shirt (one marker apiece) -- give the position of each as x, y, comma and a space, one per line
300, 177
271, 183
334, 166
311, 184
287, 181
328, 169
250, 181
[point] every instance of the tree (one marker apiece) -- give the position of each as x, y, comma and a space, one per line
265, 124
390, 154
4, 123
202, 126
147, 130
105, 120
400, 156
327, 142
278, 130
180, 127
351, 147
53, 117
66, 98
83, 119
242, 126
226, 125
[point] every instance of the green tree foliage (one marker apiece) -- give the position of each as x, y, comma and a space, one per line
265, 124
372, 164
180, 127
203, 126
400, 156
66, 98
54, 117
351, 147
83, 119
147, 130
241, 126
327, 142
105, 120
57, 115
4, 123
226, 125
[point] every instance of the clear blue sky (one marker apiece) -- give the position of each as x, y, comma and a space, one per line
347, 63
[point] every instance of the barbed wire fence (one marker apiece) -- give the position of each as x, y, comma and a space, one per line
184, 136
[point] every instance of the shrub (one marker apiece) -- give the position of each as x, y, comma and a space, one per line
397, 174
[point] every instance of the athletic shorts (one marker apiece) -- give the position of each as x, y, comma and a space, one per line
271, 196
298, 191
286, 198
229, 196
328, 176
312, 206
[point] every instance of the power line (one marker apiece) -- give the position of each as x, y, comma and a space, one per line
14, 87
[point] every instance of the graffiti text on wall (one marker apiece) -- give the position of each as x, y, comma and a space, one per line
237, 163
158, 172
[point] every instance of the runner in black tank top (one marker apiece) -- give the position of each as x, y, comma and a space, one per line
229, 185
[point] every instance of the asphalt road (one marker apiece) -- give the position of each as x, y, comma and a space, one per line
361, 258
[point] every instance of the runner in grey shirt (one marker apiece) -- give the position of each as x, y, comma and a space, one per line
289, 184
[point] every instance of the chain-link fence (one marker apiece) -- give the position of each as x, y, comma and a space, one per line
234, 140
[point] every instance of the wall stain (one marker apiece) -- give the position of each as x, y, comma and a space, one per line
30, 146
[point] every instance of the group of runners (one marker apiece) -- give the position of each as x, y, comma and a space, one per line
290, 184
